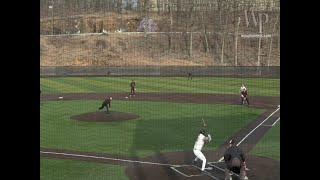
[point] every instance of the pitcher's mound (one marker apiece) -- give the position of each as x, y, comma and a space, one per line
103, 116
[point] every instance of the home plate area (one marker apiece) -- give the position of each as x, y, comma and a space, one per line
214, 170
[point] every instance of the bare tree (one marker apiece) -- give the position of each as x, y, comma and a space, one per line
206, 48
171, 24
119, 6
236, 43
158, 7
259, 51
271, 40
220, 11
220, 6
191, 26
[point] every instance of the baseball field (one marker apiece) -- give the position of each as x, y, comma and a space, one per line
151, 136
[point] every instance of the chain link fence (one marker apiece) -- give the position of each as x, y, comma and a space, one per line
178, 71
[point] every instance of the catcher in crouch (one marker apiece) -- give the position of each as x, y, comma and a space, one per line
244, 93
201, 140
235, 161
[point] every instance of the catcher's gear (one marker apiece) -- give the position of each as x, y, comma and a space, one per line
209, 136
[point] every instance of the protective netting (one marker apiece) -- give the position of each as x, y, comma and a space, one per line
188, 59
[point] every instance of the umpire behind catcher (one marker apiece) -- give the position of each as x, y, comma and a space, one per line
235, 161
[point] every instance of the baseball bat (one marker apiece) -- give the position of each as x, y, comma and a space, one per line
204, 123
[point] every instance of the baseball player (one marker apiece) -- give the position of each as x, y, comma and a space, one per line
235, 161
133, 88
244, 93
106, 103
189, 75
198, 147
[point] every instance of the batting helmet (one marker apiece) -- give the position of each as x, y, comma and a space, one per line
202, 131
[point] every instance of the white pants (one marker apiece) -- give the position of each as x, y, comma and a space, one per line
200, 156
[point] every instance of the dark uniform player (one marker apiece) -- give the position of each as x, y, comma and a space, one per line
244, 94
235, 161
189, 75
132, 89
106, 103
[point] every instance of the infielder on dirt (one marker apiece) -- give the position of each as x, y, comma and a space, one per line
132, 88
244, 93
198, 147
106, 103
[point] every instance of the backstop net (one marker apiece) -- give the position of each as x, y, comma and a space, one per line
171, 68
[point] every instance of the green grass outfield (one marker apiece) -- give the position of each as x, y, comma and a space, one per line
162, 126
57, 169
269, 145
222, 85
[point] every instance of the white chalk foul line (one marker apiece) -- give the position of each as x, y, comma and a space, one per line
271, 124
255, 128
276, 121
172, 166
106, 158
180, 172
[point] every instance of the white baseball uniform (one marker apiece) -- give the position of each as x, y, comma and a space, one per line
197, 150
242, 89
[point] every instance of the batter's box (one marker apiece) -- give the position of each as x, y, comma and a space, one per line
187, 171
192, 171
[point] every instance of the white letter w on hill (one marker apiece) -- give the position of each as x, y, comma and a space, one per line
255, 22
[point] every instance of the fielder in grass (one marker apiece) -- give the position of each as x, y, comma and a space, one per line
201, 140
132, 89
